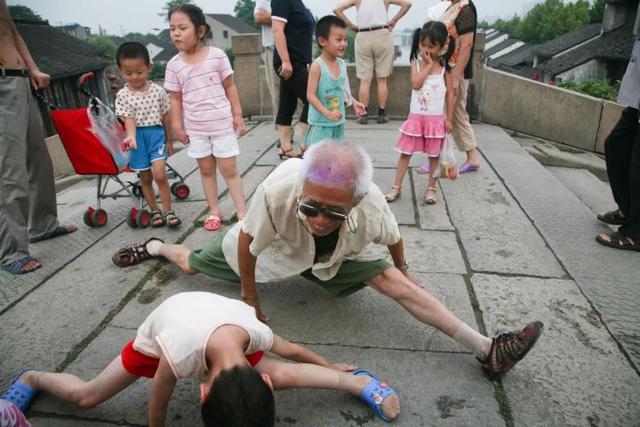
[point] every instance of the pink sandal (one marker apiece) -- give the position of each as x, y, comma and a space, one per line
212, 223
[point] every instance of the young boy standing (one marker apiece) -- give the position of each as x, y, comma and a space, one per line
221, 341
145, 109
328, 87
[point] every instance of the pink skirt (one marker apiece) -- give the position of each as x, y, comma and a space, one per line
422, 133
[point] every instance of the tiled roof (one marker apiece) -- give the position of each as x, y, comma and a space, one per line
522, 55
500, 46
614, 45
569, 40
493, 35
166, 54
57, 53
234, 23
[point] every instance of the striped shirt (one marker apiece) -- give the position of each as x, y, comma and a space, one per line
206, 110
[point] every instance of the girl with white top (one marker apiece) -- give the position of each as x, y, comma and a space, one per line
205, 106
427, 126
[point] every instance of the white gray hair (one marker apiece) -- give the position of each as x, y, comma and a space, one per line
333, 163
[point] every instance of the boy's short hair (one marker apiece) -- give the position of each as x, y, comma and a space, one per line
324, 24
239, 397
132, 50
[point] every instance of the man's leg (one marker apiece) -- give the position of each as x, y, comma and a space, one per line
363, 92
79, 392
383, 95
14, 178
272, 79
286, 375
631, 227
618, 149
462, 131
43, 212
177, 254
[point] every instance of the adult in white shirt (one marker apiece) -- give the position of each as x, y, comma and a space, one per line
262, 16
374, 48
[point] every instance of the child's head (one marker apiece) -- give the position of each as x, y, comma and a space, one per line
239, 397
188, 26
331, 35
433, 40
134, 63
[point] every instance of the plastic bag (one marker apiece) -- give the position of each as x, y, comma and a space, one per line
11, 416
106, 127
448, 160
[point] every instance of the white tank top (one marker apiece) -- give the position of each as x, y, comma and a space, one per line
372, 13
430, 98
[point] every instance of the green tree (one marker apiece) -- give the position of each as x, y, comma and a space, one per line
24, 12
158, 70
171, 4
145, 39
104, 43
244, 11
596, 13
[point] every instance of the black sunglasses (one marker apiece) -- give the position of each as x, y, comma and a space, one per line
312, 209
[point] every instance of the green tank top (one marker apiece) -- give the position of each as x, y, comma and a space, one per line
331, 93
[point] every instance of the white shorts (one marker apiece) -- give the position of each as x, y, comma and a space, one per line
216, 146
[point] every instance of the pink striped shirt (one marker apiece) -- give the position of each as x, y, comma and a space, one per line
206, 110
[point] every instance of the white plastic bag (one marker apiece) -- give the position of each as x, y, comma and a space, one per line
105, 126
448, 160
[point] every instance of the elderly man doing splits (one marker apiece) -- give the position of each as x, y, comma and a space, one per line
320, 218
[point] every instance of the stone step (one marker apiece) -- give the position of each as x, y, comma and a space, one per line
587, 187
583, 335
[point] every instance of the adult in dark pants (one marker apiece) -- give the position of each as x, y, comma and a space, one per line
293, 26
28, 210
622, 153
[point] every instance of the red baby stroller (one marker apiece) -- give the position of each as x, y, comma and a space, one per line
90, 156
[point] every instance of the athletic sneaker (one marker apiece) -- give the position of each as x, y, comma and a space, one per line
364, 120
383, 120
509, 348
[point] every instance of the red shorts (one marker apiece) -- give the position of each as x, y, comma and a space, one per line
141, 365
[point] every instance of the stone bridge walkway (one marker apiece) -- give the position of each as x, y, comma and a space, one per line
509, 244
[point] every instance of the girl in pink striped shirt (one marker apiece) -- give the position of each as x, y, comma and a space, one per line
205, 108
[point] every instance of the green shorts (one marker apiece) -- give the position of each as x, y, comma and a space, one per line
351, 277
317, 134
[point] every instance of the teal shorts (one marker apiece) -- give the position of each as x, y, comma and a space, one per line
351, 277
317, 134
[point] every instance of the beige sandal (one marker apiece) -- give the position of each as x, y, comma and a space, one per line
430, 199
393, 196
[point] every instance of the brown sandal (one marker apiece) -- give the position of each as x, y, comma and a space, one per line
392, 197
133, 254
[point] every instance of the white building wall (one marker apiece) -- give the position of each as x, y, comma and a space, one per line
591, 70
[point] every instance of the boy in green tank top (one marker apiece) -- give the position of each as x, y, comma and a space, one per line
328, 86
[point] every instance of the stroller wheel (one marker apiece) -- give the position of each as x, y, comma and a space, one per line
180, 190
143, 218
132, 218
87, 218
99, 217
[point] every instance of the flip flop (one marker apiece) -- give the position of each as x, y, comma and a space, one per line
20, 394
16, 266
60, 230
11, 415
468, 167
375, 393
212, 223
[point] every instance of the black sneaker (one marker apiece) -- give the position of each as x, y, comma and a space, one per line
364, 120
509, 348
383, 120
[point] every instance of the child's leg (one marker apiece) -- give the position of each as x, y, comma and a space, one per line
146, 182
229, 171
286, 375
159, 171
401, 168
207, 167
433, 168
84, 394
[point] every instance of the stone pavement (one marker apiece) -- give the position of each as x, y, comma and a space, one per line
509, 244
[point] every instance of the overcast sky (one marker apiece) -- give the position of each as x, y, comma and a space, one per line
119, 17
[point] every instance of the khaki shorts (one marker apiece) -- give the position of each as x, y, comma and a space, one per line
374, 52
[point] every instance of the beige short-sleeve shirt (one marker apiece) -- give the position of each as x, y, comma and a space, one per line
146, 108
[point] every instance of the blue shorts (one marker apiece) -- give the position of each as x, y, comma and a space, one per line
317, 134
151, 147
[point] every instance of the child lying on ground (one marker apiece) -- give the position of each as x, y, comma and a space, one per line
206, 336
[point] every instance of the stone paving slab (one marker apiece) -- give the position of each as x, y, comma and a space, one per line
64, 422
75, 301
609, 278
403, 208
496, 235
432, 217
576, 374
435, 389
432, 251
595, 194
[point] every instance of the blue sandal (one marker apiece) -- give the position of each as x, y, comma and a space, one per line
20, 394
60, 230
375, 393
16, 267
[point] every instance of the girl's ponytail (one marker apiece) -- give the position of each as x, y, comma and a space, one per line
415, 45
444, 58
